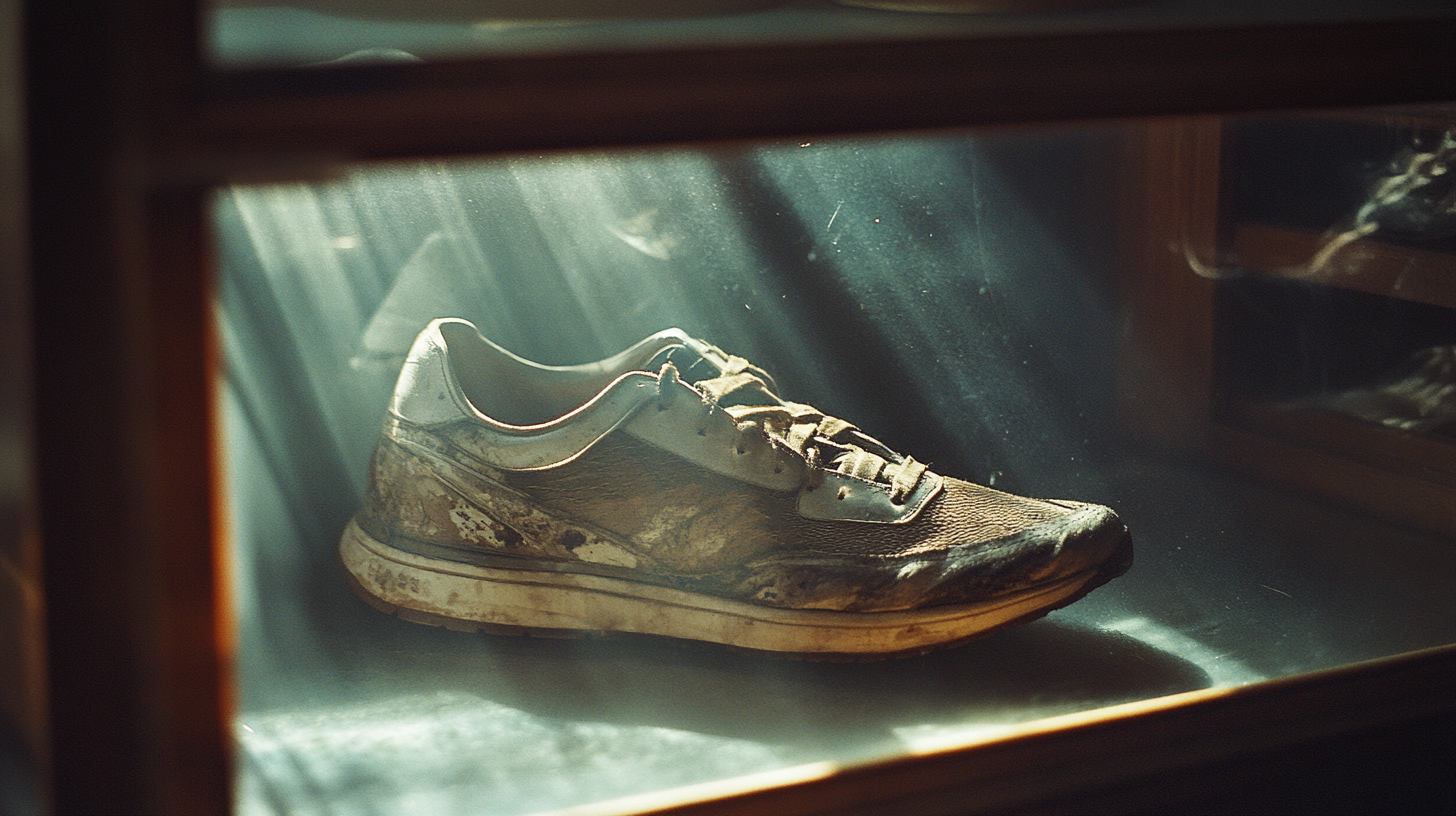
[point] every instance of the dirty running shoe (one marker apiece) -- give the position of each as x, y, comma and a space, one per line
670, 490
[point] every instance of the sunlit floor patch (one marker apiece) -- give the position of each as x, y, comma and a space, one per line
1222, 669
924, 739
444, 749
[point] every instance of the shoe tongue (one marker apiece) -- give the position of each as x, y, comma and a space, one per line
694, 360
691, 365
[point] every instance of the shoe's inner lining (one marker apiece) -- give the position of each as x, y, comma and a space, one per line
515, 391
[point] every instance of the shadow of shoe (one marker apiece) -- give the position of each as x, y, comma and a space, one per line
397, 711
1038, 670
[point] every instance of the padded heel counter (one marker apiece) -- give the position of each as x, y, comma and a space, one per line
426, 393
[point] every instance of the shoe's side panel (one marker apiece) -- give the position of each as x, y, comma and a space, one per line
629, 509
421, 498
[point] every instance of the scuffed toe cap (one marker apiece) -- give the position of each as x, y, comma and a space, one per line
975, 545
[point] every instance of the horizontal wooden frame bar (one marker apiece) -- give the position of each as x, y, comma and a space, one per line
257, 118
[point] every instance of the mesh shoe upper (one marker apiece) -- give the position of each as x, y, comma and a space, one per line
716, 486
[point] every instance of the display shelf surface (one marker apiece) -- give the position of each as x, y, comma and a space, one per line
954, 296
1233, 585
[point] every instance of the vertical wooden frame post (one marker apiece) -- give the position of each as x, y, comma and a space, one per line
122, 378
190, 643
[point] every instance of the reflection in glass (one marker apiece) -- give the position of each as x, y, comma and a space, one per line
1354, 215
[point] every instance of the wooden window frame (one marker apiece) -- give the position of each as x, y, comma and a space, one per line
128, 131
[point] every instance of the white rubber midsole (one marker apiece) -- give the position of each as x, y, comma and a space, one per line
557, 600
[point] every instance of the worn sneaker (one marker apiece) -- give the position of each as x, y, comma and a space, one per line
670, 490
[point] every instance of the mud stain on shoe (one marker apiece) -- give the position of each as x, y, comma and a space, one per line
600, 552
388, 579
664, 526
478, 528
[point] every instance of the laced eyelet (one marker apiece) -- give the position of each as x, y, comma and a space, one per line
667, 380
843, 492
702, 432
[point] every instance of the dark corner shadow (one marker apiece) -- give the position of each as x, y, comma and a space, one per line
21, 791
1044, 668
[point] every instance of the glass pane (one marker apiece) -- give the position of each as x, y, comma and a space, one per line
301, 32
969, 300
